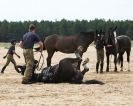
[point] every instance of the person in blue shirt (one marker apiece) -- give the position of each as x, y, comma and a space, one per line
27, 43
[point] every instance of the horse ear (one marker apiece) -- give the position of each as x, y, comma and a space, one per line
97, 31
115, 28
100, 31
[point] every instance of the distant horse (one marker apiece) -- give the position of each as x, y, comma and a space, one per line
117, 45
67, 44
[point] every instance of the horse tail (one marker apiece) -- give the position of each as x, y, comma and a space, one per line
93, 82
44, 48
119, 59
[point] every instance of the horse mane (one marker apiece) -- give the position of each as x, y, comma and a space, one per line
86, 33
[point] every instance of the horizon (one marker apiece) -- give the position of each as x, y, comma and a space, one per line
66, 20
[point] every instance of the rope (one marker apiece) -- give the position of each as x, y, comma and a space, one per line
42, 62
39, 62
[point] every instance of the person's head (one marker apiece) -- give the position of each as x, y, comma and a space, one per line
32, 27
13, 42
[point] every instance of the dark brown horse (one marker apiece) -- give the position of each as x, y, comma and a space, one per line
67, 44
65, 71
119, 45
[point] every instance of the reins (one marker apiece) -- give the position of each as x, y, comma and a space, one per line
41, 56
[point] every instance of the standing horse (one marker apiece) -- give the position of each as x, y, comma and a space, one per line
67, 44
124, 45
117, 45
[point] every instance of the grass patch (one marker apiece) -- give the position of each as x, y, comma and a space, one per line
132, 43
5, 45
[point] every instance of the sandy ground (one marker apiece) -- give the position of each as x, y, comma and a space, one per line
117, 90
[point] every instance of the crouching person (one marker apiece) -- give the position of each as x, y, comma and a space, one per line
10, 57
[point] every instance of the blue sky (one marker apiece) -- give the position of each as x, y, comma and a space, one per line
21, 10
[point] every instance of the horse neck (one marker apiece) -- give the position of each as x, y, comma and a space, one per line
114, 47
87, 38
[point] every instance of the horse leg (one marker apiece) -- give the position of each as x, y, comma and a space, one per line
101, 67
128, 59
79, 62
107, 69
115, 62
50, 54
97, 66
121, 60
102, 61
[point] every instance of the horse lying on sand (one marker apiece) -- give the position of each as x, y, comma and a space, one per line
65, 71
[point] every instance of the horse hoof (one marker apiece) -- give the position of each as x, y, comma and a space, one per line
115, 70
128, 70
121, 70
107, 70
101, 72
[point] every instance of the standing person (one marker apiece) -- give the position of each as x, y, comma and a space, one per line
10, 57
100, 52
27, 43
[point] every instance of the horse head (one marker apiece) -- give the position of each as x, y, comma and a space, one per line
110, 37
100, 35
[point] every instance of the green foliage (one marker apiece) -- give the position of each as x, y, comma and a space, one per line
15, 30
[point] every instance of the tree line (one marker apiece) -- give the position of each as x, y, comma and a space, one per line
15, 30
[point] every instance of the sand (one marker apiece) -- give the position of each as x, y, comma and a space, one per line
117, 90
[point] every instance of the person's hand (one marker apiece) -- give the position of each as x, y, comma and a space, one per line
4, 57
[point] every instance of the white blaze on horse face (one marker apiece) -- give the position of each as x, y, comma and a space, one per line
115, 37
98, 35
114, 33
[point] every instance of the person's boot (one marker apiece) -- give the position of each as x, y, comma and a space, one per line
3, 69
101, 68
97, 67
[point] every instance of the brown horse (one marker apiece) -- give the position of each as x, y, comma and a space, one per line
67, 44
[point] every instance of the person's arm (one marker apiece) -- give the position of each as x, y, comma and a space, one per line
5, 56
38, 41
16, 54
